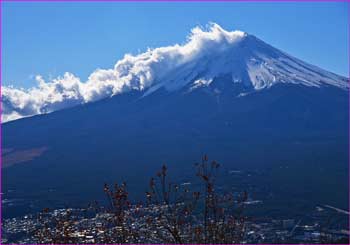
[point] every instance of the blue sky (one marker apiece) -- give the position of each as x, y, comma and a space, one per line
52, 38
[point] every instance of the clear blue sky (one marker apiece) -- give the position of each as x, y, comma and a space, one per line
52, 38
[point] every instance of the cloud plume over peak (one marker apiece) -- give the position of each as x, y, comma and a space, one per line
207, 54
132, 72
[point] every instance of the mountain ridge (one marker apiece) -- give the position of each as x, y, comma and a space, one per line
208, 54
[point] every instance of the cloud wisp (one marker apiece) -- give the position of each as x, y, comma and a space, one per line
207, 54
133, 72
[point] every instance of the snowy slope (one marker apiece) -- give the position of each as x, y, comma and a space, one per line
206, 55
251, 62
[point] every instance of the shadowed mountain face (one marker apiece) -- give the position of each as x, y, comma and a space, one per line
290, 131
297, 136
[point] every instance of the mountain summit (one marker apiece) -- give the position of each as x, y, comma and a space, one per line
226, 94
244, 60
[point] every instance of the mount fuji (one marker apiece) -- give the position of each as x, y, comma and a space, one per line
227, 94
207, 55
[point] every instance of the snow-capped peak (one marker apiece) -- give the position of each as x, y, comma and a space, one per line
207, 54
247, 60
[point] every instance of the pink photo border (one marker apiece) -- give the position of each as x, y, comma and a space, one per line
169, 1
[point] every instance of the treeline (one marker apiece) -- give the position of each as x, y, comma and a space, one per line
171, 213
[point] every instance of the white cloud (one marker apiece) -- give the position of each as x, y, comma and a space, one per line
206, 55
132, 72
